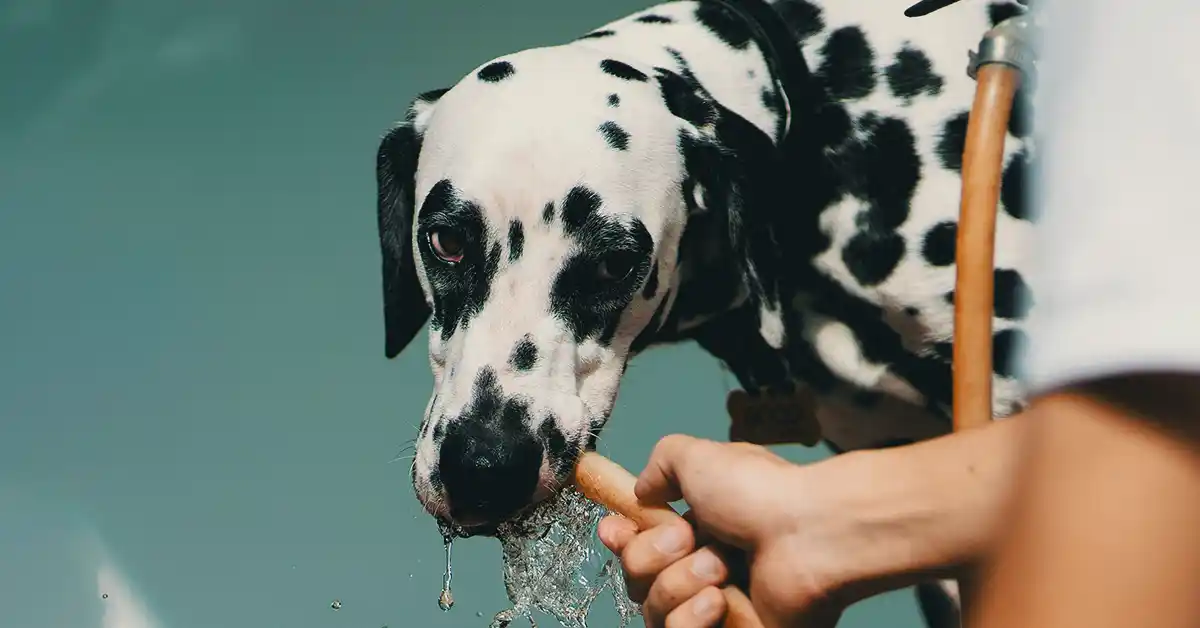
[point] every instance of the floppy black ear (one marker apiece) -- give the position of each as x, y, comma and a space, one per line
738, 169
404, 307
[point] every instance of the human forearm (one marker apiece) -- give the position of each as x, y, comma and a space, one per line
911, 513
1107, 512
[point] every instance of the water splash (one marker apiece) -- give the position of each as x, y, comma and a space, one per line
553, 564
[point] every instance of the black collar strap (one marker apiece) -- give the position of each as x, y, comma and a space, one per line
785, 59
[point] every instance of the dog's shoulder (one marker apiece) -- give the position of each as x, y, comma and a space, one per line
901, 91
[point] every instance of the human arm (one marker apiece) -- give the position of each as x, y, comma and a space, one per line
819, 536
1107, 515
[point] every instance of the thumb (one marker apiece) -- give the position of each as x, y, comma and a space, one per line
663, 479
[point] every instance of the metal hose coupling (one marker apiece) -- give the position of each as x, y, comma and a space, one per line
1012, 42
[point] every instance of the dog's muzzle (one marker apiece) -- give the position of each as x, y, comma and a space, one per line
489, 471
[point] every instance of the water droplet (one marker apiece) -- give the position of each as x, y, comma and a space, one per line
336, 605
104, 597
446, 599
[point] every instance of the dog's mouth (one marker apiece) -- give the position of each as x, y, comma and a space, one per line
466, 527
468, 531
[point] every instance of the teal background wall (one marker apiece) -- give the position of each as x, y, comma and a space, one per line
196, 417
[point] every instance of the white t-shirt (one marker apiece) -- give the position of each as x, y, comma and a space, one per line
1117, 268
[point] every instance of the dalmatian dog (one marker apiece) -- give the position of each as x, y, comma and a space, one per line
777, 181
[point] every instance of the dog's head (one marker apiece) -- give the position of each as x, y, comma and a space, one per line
533, 214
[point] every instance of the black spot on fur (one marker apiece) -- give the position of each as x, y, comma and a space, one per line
949, 297
722, 22
1006, 347
579, 205
651, 287
953, 141
912, 311
1000, 11
616, 137
561, 452
802, 17
1014, 193
622, 70
548, 213
614, 100
848, 64
496, 71
524, 355
884, 169
1013, 297
835, 126
654, 19
871, 257
911, 74
772, 101
940, 244
459, 290
516, 240
581, 298
685, 68
599, 34
682, 99
556, 442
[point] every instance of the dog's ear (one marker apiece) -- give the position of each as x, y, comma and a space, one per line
404, 307
738, 169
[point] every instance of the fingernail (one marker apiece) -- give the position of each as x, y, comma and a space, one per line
706, 566
671, 540
704, 605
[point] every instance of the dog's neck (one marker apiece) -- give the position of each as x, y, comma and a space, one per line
745, 56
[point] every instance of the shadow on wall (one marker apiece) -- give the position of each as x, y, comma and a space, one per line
64, 37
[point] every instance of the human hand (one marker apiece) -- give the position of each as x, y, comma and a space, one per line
743, 499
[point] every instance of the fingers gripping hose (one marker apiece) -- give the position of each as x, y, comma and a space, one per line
610, 485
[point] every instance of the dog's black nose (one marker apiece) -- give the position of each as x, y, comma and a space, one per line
489, 471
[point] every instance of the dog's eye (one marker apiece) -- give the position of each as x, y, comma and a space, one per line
616, 266
447, 244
